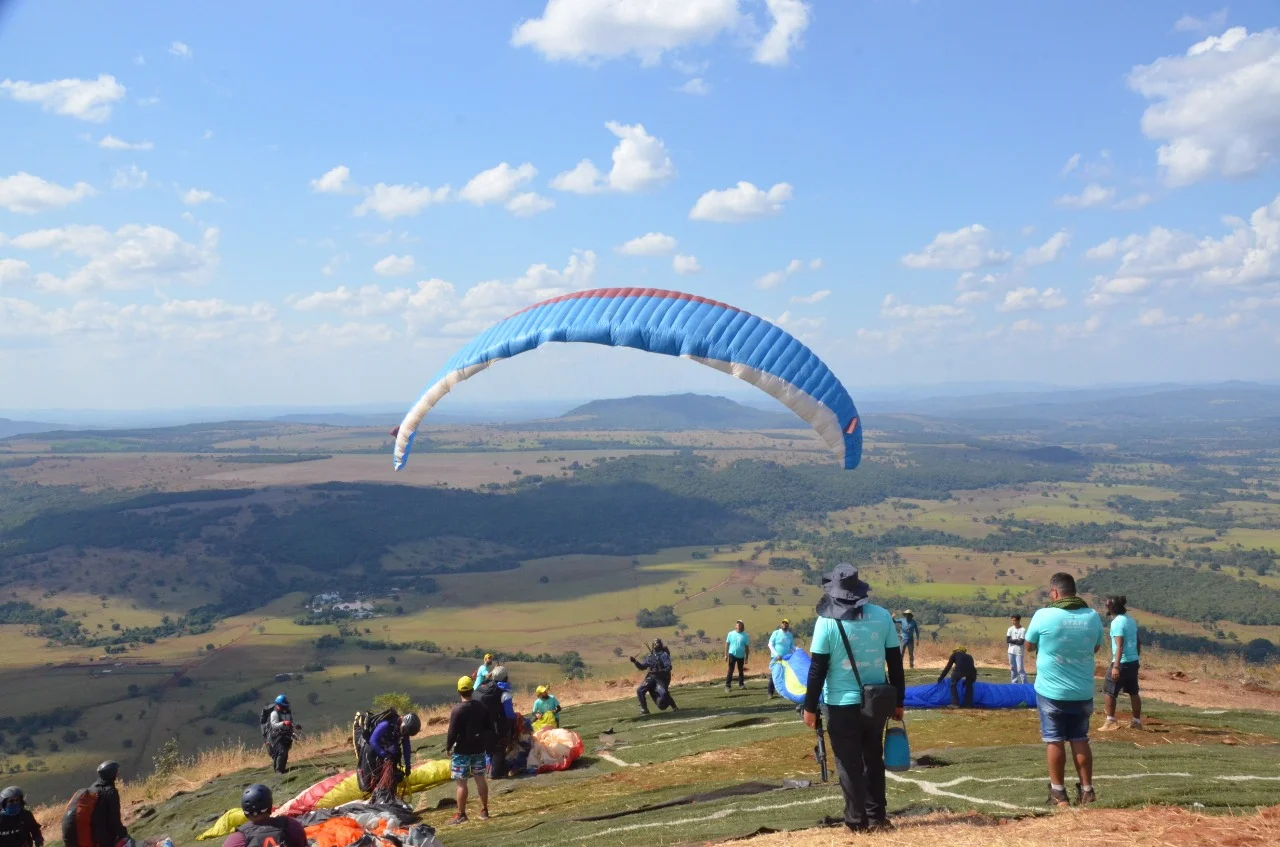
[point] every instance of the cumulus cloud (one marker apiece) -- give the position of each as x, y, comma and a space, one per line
810, 299
773, 279
1048, 252
1209, 23
640, 162
184, 322
497, 184
696, 86
429, 299
594, 30
1026, 325
1107, 291
529, 203
13, 270
86, 99
1072, 164
110, 142
334, 181
685, 265
743, 202
649, 244
1075, 332
921, 317
396, 201
394, 265
495, 299
1092, 196
134, 256
1216, 109
790, 20
964, 249
179, 49
1029, 299
129, 179
198, 196
28, 195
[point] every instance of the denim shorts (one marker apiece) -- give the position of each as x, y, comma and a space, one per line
1064, 720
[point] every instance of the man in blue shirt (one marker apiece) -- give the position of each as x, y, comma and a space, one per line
856, 739
910, 636
1122, 676
737, 649
781, 643
1066, 635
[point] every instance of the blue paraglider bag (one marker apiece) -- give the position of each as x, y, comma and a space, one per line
897, 749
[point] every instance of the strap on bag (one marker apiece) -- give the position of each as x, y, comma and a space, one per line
853, 662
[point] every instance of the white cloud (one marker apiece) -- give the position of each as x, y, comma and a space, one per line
640, 162
1072, 332
1108, 249
1210, 23
28, 195
395, 201
394, 265
594, 30
1154, 317
134, 256
496, 184
86, 99
685, 265
790, 20
815, 264
185, 322
1137, 201
495, 299
179, 49
1158, 319
529, 203
129, 179
803, 328
12, 270
922, 317
1072, 164
350, 334
1093, 195
696, 86
968, 298
429, 299
148, 101
1027, 299
964, 249
110, 142
206, 135
334, 181
1217, 108
810, 299
649, 244
1049, 251
197, 196
334, 264
743, 202
1025, 325
775, 278
1107, 291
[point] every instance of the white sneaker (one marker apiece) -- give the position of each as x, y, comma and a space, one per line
1109, 725
1136, 723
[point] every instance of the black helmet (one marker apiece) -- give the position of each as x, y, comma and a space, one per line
256, 800
13, 792
410, 724
108, 771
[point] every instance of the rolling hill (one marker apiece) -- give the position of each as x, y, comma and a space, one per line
673, 412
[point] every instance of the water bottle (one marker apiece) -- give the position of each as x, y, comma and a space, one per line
897, 749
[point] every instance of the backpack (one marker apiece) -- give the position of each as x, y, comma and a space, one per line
77, 820
264, 720
664, 661
269, 833
362, 727
491, 699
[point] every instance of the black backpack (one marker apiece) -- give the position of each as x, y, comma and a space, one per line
491, 699
264, 720
265, 834
363, 725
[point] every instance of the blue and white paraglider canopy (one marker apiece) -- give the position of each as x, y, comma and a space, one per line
674, 324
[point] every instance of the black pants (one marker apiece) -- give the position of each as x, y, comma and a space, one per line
655, 687
280, 753
858, 745
741, 665
968, 689
911, 652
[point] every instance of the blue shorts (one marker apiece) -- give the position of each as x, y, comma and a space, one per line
1064, 720
464, 765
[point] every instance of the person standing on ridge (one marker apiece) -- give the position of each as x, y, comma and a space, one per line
18, 827
1066, 636
781, 643
279, 733
1122, 676
657, 678
910, 635
854, 651
389, 743
262, 829
1016, 637
495, 696
737, 649
486, 668
468, 740
107, 827
965, 670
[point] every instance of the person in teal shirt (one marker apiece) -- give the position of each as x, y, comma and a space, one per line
546, 702
1066, 636
1122, 676
486, 668
781, 643
857, 740
737, 649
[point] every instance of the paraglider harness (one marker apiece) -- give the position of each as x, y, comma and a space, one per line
282, 735
374, 773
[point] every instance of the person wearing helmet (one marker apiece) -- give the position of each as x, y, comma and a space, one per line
18, 827
262, 829
470, 736
280, 731
965, 670
391, 748
657, 678
486, 668
107, 828
781, 643
495, 696
544, 703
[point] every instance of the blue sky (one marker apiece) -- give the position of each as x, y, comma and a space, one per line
226, 204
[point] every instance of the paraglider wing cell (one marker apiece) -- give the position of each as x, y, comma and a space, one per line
670, 323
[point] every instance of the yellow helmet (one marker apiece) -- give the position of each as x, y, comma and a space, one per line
488, 657
542, 689
960, 648
466, 685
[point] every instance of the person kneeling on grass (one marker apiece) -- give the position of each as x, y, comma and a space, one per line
1066, 635
546, 702
470, 731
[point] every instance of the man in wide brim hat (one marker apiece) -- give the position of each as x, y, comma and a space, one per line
843, 593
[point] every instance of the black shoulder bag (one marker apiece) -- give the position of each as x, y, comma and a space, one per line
878, 701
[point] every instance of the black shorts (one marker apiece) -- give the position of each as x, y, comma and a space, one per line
1126, 684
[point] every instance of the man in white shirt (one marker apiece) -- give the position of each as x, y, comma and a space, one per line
1016, 637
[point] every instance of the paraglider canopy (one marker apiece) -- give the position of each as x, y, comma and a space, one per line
670, 323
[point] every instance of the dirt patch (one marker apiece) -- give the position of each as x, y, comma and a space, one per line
1155, 826
1202, 693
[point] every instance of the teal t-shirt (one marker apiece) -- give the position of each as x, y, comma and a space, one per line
1065, 641
782, 643
869, 636
737, 642
545, 704
482, 673
1123, 625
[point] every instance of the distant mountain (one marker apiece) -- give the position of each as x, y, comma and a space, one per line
666, 413
385, 421
8, 427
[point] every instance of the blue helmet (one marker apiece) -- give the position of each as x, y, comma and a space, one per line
282, 700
